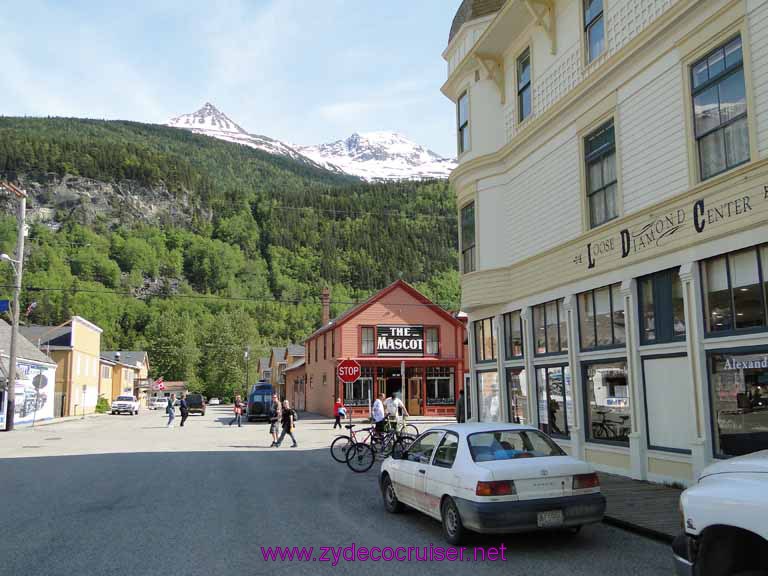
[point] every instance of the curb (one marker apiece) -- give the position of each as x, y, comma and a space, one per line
640, 530
52, 421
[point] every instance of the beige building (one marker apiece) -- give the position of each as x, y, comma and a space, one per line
613, 197
279, 359
130, 373
75, 347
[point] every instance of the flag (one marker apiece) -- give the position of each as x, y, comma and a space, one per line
5, 305
158, 384
31, 307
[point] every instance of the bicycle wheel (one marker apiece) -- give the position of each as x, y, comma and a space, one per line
410, 430
386, 446
598, 430
340, 447
360, 457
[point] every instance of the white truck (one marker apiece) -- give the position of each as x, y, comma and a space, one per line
125, 404
725, 520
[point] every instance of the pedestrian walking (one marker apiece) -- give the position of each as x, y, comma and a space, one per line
460, 408
238, 412
275, 414
288, 421
396, 411
339, 412
170, 410
378, 414
183, 408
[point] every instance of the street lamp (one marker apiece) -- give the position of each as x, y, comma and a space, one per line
17, 265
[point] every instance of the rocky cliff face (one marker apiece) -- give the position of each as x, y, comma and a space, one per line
54, 200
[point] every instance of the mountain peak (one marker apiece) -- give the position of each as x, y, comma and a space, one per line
207, 119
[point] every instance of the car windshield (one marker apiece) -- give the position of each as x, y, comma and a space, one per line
511, 444
125, 398
194, 398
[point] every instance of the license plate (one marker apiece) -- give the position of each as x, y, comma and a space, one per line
550, 518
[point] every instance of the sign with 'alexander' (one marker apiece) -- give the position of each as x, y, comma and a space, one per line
400, 340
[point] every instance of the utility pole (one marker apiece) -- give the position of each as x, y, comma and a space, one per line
246, 356
17, 265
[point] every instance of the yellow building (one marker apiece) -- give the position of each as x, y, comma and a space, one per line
611, 191
129, 374
75, 347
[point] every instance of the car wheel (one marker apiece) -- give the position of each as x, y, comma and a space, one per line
391, 503
113, 413
453, 528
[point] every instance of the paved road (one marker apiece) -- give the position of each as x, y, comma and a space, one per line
124, 495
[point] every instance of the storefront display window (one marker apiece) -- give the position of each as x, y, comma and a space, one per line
360, 392
489, 399
440, 385
517, 394
485, 340
739, 384
734, 291
601, 318
606, 393
513, 335
662, 310
550, 333
553, 386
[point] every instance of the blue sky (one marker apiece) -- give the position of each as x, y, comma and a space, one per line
303, 71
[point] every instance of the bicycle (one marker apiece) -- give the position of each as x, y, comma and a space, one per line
604, 427
341, 444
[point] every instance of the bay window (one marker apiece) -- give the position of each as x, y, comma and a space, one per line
549, 328
601, 318
468, 238
462, 118
513, 335
485, 340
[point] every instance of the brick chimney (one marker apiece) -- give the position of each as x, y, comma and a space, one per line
325, 299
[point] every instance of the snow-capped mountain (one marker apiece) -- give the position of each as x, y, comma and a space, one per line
210, 121
380, 156
370, 156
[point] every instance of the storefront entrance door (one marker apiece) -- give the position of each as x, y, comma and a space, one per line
413, 378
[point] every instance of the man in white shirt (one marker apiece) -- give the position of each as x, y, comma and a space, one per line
379, 417
395, 409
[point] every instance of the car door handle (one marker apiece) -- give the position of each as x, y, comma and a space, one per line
422, 471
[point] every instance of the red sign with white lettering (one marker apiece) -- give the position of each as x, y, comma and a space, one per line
348, 371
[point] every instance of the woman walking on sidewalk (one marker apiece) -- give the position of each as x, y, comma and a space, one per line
288, 421
183, 408
339, 412
238, 411
170, 410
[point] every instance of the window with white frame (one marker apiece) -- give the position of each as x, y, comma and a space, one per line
524, 86
433, 341
368, 336
440, 385
602, 180
462, 117
594, 28
468, 238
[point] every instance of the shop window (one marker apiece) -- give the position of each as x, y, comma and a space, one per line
513, 335
734, 292
662, 309
739, 384
550, 332
720, 110
368, 335
517, 394
485, 340
601, 318
524, 86
594, 28
433, 341
602, 181
555, 405
462, 117
440, 385
446, 451
606, 393
468, 238
489, 399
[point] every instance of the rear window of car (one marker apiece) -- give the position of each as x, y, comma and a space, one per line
125, 398
511, 444
194, 398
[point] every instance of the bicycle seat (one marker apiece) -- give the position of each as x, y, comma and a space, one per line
349, 426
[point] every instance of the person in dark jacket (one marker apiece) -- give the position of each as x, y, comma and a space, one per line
183, 408
289, 424
460, 408
238, 408
275, 415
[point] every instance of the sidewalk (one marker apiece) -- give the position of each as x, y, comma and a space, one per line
649, 509
51, 421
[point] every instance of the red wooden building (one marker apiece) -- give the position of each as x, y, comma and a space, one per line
404, 343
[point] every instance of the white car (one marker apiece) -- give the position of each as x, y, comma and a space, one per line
724, 515
214, 402
125, 404
158, 403
492, 478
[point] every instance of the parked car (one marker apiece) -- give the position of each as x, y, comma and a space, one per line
492, 478
724, 520
125, 404
196, 404
157, 403
259, 401
214, 402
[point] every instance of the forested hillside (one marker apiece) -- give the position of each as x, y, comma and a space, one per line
236, 255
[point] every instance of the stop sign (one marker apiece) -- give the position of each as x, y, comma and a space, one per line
348, 371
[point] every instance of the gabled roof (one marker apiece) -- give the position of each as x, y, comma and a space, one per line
296, 365
278, 355
346, 316
25, 349
263, 363
127, 357
295, 350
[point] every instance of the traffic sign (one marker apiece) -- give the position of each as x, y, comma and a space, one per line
348, 371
